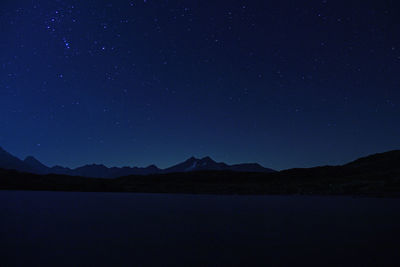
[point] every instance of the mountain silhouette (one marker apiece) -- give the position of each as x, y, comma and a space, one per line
32, 165
377, 162
36, 165
8, 161
375, 175
208, 164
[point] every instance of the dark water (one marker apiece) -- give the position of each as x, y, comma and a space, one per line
117, 229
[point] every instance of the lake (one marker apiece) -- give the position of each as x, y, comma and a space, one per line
126, 229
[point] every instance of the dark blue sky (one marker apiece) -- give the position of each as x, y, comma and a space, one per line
282, 83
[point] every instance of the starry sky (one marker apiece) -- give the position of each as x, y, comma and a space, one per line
282, 83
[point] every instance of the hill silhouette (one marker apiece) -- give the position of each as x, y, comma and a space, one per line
374, 175
32, 165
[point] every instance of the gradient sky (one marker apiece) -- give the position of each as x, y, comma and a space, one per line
282, 83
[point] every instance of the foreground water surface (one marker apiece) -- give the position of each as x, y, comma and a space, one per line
105, 229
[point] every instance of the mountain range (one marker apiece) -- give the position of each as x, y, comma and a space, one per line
374, 175
32, 165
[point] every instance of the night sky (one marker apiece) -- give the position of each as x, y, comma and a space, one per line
282, 83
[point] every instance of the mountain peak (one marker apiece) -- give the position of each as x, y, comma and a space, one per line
204, 159
152, 166
207, 159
